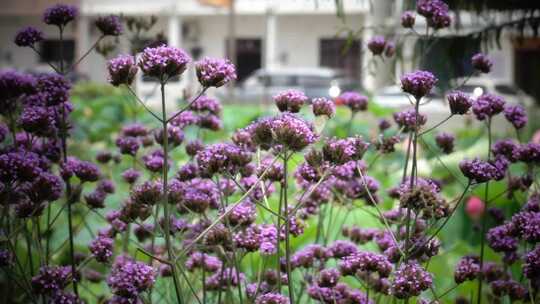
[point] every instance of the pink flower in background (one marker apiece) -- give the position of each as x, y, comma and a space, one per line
475, 207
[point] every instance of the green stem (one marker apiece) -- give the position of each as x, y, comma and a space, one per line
287, 227
484, 220
166, 194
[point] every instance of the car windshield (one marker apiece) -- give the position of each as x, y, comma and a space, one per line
281, 80
314, 81
506, 89
473, 89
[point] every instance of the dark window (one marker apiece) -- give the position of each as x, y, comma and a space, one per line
51, 50
506, 89
447, 57
341, 54
248, 56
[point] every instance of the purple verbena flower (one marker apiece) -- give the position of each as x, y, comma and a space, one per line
500, 239
51, 279
198, 260
478, 170
323, 106
206, 104
445, 141
54, 87
131, 176
341, 151
292, 132
516, 115
272, 298
459, 103
487, 106
109, 25
481, 63
102, 248
213, 72
122, 70
290, 100
355, 101
376, 45
60, 14
365, 261
408, 19
28, 37
410, 280
467, 269
409, 120
531, 267
328, 277
418, 83
163, 62
129, 278
527, 153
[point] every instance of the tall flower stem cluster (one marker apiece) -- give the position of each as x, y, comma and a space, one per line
275, 214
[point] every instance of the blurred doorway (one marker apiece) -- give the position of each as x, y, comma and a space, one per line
527, 66
248, 56
342, 54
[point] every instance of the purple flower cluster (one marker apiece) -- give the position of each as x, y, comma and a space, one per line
199, 260
102, 248
222, 158
478, 170
163, 62
408, 19
51, 279
206, 104
60, 15
410, 280
516, 115
435, 12
367, 262
341, 151
467, 269
445, 141
272, 298
481, 63
487, 106
409, 120
292, 132
109, 25
28, 37
129, 278
376, 45
323, 107
14, 85
418, 83
355, 101
54, 88
122, 70
459, 102
213, 72
290, 100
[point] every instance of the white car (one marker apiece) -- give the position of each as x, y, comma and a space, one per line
393, 97
262, 84
477, 86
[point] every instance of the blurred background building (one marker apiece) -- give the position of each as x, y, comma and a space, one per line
293, 35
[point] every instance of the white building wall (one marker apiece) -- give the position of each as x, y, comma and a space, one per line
22, 58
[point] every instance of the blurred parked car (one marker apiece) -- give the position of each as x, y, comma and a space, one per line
314, 82
394, 98
477, 86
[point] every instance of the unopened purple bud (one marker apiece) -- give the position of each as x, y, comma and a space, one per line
481, 63
109, 25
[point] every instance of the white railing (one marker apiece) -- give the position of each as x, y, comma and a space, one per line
197, 7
